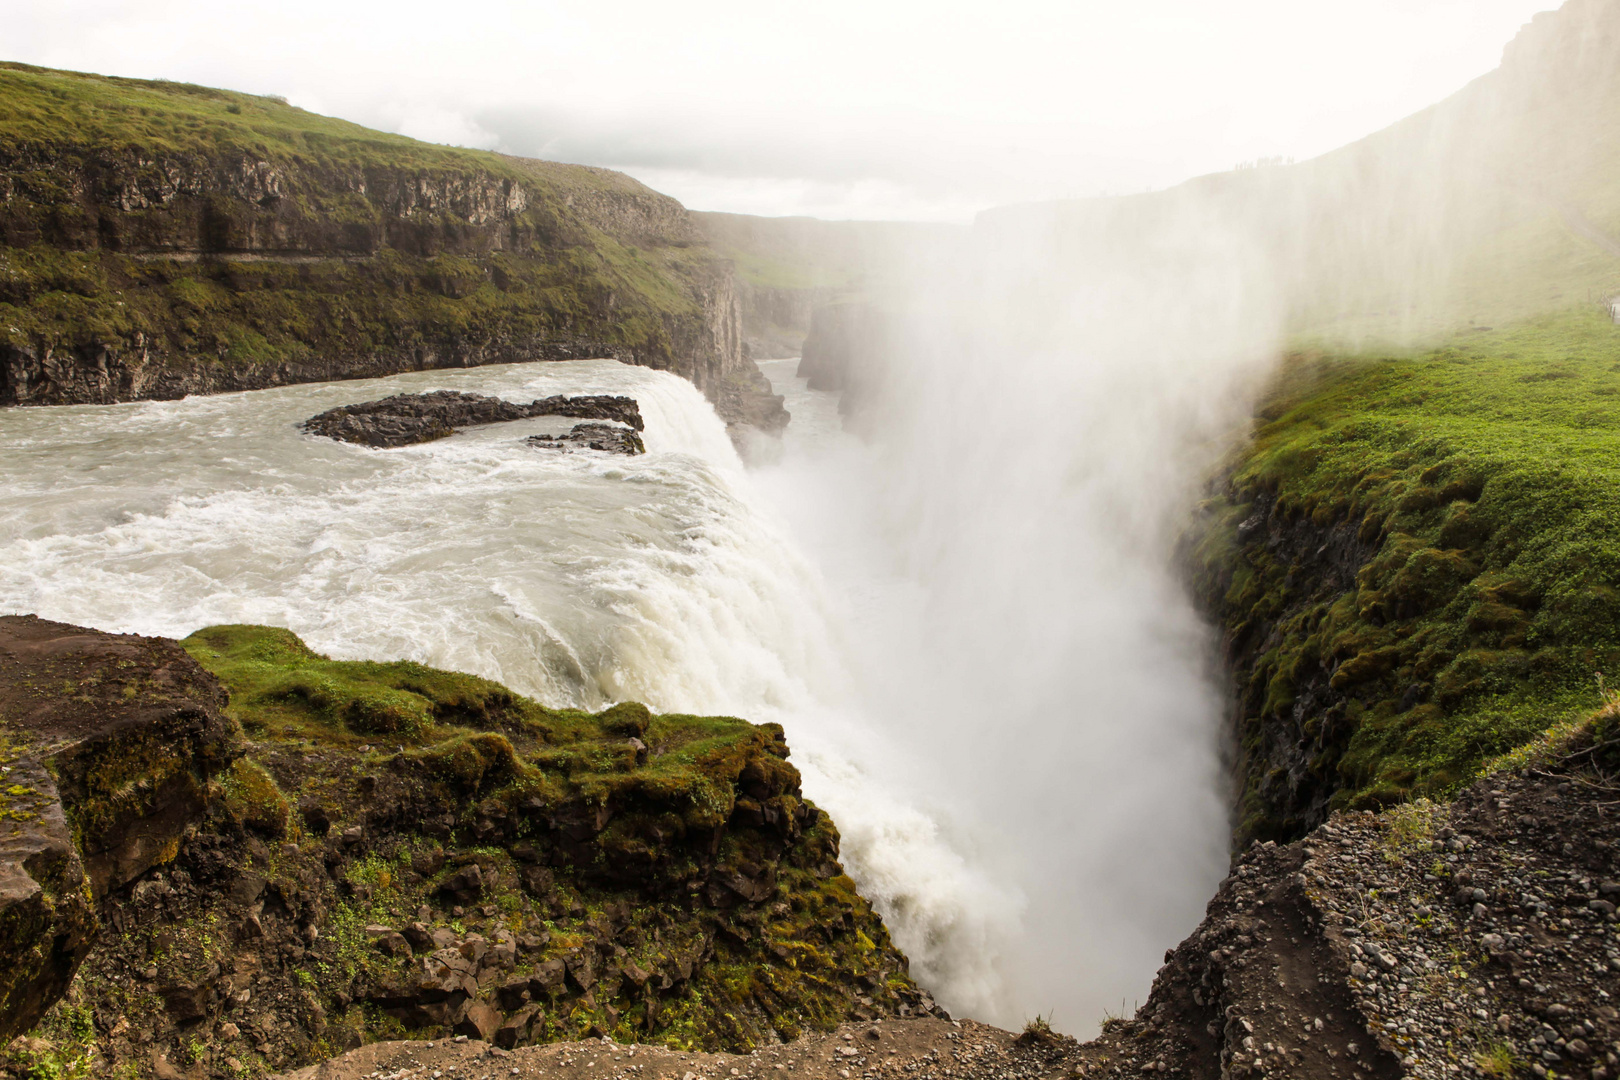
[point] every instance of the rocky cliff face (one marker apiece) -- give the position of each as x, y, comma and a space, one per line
848, 351
1473, 938
108, 745
139, 261
776, 320
399, 851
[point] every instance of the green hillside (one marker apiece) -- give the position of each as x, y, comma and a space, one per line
163, 238
1417, 563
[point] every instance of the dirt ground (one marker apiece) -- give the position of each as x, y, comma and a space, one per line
882, 1049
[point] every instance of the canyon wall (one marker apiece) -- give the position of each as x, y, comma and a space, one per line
158, 240
789, 267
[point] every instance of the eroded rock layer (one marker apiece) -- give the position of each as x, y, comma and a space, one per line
409, 852
108, 744
159, 240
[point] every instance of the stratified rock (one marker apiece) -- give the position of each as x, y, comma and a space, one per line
405, 419
108, 743
510, 873
47, 924
605, 437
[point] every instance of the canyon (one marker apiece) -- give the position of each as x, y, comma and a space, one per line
1250, 540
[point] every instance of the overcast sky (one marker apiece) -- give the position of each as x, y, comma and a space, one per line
837, 108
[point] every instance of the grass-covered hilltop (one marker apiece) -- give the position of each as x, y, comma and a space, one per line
344, 852
1417, 564
158, 239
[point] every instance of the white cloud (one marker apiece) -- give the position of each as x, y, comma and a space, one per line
841, 107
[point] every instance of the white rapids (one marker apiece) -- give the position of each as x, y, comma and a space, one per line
581, 579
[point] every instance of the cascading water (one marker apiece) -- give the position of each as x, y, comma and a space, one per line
579, 578
969, 627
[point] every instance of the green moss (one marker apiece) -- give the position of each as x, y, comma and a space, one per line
61, 1047
123, 786
1484, 481
691, 804
253, 800
280, 687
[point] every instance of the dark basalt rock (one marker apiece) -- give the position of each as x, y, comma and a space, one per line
406, 419
607, 437
108, 744
504, 871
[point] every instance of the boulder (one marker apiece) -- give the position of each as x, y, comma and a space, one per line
108, 743
514, 993
464, 886
548, 977
446, 973
581, 965
609, 438
518, 1028
419, 937
47, 923
480, 1021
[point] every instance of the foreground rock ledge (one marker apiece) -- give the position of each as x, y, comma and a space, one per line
107, 745
522, 876
407, 852
1476, 938
918, 1047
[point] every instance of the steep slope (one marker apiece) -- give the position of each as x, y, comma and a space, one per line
1415, 564
159, 239
397, 850
1474, 938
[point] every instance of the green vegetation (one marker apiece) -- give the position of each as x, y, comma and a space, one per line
72, 109
324, 242
61, 1047
582, 826
253, 314
282, 688
469, 736
1481, 481
252, 799
462, 729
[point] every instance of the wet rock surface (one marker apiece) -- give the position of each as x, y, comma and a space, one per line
108, 743
406, 419
608, 438
1288, 770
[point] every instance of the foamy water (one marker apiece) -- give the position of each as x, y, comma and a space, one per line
580, 579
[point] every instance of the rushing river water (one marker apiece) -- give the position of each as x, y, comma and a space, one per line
579, 578
1035, 819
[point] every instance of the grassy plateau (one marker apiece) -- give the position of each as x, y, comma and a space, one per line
1477, 489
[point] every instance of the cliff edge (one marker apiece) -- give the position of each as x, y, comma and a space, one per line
160, 239
388, 851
